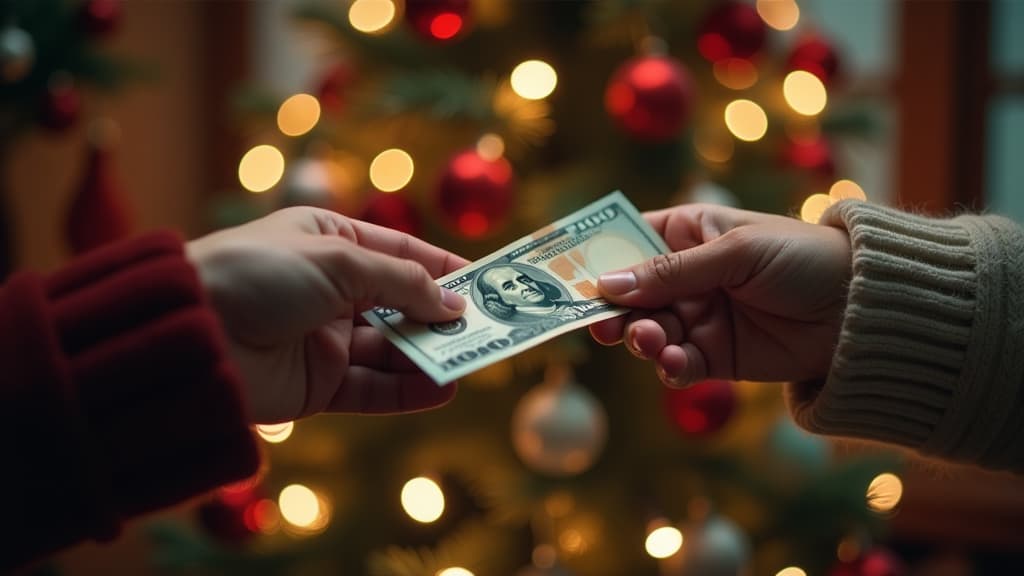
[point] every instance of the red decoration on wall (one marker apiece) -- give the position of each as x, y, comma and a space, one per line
438, 20
99, 212
394, 211
813, 53
650, 97
475, 193
731, 29
703, 408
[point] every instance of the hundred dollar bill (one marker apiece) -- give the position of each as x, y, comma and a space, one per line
536, 288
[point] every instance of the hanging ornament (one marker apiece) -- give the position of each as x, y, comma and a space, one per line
703, 408
813, 53
98, 213
475, 193
438, 20
333, 88
100, 18
650, 97
874, 562
17, 54
61, 103
793, 448
558, 427
812, 154
394, 211
731, 29
715, 546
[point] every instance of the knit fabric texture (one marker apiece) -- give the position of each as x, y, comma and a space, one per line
931, 351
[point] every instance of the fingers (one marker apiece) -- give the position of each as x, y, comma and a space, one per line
437, 261
665, 278
680, 366
646, 337
361, 275
370, 391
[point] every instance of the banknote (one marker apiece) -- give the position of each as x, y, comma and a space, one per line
534, 289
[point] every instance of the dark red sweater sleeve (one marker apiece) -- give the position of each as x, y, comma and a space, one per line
116, 396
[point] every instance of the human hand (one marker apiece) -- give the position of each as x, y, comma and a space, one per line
289, 289
745, 295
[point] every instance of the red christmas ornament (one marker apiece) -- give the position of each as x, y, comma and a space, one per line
816, 55
876, 562
332, 92
650, 97
475, 193
731, 30
703, 408
438, 20
393, 211
231, 515
98, 212
61, 104
100, 17
811, 154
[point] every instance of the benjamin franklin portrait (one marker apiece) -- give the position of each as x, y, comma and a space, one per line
522, 293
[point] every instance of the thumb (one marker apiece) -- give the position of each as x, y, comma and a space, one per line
657, 282
365, 276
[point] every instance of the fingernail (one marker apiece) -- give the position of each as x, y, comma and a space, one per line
617, 282
451, 300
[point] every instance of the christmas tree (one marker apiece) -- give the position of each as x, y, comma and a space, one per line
470, 123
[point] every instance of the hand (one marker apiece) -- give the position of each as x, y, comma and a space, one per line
289, 289
745, 296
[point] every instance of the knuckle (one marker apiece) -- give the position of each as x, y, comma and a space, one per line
665, 268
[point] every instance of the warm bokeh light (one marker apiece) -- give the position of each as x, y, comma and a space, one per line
779, 14
714, 146
664, 542
571, 541
300, 506
261, 168
746, 120
262, 516
490, 147
847, 189
275, 433
391, 170
445, 25
371, 16
422, 499
298, 115
804, 92
885, 492
735, 73
454, 571
534, 79
791, 571
814, 206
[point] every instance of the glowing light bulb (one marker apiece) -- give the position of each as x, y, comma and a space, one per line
664, 542
814, 206
804, 92
391, 170
275, 433
298, 115
885, 492
299, 505
371, 16
534, 79
779, 14
746, 120
791, 571
422, 500
454, 571
847, 189
490, 147
261, 168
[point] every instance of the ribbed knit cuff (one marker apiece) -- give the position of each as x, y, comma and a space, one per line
160, 403
927, 357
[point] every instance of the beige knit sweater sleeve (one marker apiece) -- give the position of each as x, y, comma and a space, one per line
931, 352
